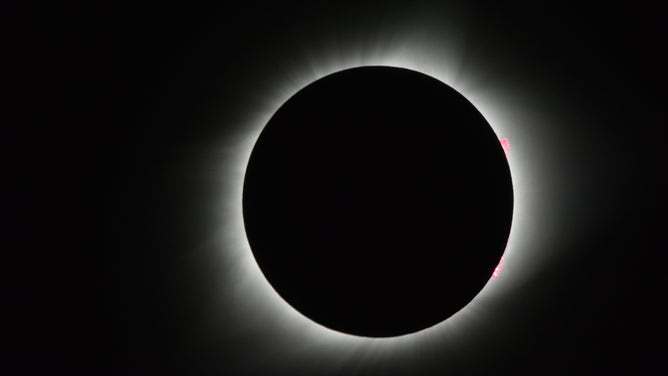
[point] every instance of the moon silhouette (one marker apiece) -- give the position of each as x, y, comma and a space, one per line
377, 201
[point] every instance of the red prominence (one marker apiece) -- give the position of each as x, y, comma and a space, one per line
505, 144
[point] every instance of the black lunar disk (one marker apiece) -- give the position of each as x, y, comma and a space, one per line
377, 201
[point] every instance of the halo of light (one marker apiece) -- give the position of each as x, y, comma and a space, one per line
257, 307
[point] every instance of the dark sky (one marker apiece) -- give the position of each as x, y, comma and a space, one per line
126, 104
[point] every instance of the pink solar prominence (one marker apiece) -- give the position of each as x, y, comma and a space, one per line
497, 270
506, 146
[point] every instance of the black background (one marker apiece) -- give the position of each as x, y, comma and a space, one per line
116, 104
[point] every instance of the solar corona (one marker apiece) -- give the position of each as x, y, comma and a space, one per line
256, 300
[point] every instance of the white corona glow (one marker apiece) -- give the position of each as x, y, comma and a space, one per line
257, 307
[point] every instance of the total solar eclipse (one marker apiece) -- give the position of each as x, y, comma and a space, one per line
377, 201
